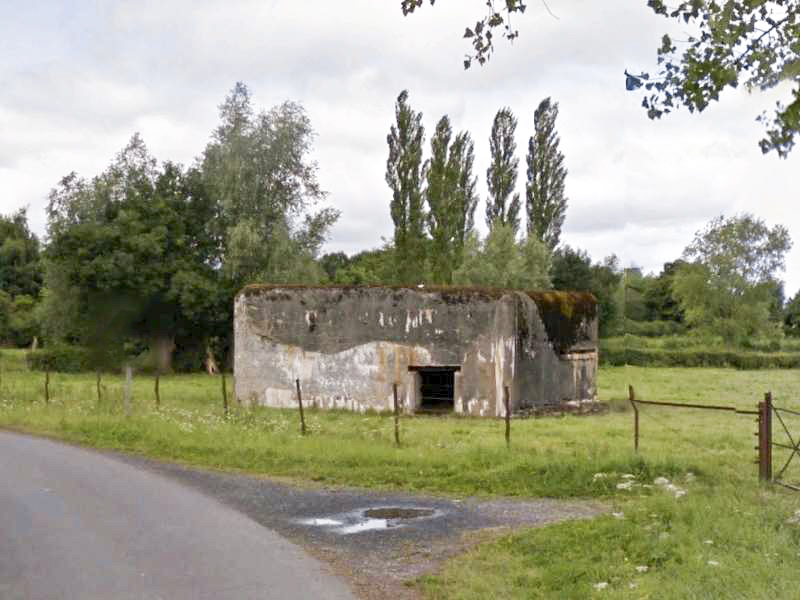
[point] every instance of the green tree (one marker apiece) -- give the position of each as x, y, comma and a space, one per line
333, 262
20, 265
735, 42
404, 174
503, 204
607, 287
571, 270
634, 285
369, 267
501, 261
727, 285
451, 199
791, 316
545, 200
129, 254
659, 301
20, 280
258, 170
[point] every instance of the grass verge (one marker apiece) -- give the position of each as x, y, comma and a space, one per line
753, 551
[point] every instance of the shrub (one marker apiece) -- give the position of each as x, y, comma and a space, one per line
640, 357
60, 358
653, 328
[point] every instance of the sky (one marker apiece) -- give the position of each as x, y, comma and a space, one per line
79, 78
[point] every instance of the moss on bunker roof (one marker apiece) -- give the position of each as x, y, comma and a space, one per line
566, 305
564, 315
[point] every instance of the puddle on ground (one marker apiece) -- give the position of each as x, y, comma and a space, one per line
371, 519
398, 513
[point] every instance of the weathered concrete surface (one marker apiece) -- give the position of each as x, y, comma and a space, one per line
348, 347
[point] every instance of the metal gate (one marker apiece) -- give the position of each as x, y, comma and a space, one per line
776, 441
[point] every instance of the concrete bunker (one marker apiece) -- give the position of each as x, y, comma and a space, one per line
447, 349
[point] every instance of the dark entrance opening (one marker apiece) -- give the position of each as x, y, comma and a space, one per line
436, 388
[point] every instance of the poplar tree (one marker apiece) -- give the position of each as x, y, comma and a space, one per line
503, 204
545, 201
462, 160
451, 198
404, 174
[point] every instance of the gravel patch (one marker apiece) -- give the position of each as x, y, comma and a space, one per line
382, 554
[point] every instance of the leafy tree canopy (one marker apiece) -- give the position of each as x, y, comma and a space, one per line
754, 43
572, 269
546, 203
503, 203
404, 176
727, 286
20, 267
451, 198
659, 301
258, 170
791, 317
129, 253
501, 261
730, 43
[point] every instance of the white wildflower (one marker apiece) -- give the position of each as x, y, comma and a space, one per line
633, 585
661, 481
601, 585
625, 486
597, 476
794, 519
618, 515
628, 476
709, 542
642, 569
713, 563
690, 476
680, 493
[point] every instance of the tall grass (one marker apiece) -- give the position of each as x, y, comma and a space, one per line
753, 550
550, 457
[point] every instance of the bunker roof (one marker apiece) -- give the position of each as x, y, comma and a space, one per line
562, 312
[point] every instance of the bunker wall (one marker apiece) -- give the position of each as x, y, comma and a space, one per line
348, 346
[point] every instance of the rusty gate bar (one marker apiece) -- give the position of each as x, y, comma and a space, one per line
702, 406
794, 447
765, 438
632, 398
764, 426
786, 410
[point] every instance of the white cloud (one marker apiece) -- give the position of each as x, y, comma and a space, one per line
78, 82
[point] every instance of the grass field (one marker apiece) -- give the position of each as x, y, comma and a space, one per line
726, 537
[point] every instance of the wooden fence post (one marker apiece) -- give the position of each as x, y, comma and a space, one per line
224, 395
128, 395
99, 398
156, 390
507, 401
47, 387
632, 398
300, 404
396, 416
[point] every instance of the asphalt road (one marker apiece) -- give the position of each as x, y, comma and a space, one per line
79, 524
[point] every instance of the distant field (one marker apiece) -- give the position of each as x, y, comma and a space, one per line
756, 549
